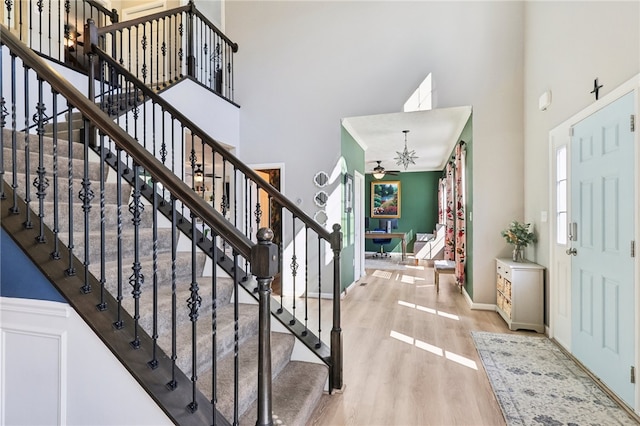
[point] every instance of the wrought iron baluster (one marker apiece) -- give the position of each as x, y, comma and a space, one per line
163, 50
27, 155
235, 196
3, 123
55, 254
247, 206
119, 323
144, 44
86, 195
136, 279
49, 27
163, 143
120, 44
9, 8
173, 383
137, 67
40, 6
258, 211
294, 272
236, 341
71, 270
320, 257
157, 52
14, 137
214, 331
103, 233
306, 275
41, 182
153, 363
194, 302
179, 49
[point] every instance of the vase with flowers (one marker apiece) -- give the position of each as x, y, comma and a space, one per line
520, 236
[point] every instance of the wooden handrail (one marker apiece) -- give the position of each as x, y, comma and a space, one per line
112, 14
249, 172
123, 140
142, 20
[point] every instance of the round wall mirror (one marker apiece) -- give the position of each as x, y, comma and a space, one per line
321, 179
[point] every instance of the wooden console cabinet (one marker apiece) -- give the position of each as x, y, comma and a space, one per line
520, 294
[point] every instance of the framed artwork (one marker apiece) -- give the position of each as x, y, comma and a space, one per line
385, 199
348, 193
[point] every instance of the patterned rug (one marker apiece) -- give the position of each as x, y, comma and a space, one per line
537, 384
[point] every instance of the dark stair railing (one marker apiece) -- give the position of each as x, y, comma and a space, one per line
54, 29
162, 48
64, 242
236, 191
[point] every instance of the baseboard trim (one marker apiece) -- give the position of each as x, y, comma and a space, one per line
477, 306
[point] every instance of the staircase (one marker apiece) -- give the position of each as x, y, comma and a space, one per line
173, 290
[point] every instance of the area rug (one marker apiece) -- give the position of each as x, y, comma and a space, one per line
537, 384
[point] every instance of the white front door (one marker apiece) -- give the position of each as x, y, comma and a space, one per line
603, 208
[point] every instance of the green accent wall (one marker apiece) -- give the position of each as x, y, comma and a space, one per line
418, 206
352, 160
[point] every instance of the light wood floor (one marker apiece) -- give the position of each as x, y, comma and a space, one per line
408, 355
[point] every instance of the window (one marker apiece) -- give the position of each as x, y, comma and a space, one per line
561, 195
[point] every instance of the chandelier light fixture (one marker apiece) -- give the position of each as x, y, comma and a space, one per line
405, 157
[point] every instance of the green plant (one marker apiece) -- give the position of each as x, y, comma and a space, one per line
518, 234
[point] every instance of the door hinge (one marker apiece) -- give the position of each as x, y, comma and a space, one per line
633, 374
632, 123
633, 248
570, 131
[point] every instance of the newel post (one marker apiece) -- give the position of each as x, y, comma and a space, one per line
336, 331
264, 265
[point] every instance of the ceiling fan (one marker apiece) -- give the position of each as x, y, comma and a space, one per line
379, 172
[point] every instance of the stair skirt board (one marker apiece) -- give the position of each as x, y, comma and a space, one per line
297, 385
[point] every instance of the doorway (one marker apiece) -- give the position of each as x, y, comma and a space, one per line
271, 216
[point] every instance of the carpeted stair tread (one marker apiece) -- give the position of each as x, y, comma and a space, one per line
281, 348
47, 143
225, 335
110, 216
165, 300
47, 162
110, 189
163, 263
296, 392
145, 236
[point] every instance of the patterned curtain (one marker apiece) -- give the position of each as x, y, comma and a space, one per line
441, 203
449, 242
460, 252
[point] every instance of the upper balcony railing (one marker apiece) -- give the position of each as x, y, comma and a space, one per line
159, 49
164, 47
54, 29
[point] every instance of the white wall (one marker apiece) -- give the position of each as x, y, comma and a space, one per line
568, 45
53, 361
302, 66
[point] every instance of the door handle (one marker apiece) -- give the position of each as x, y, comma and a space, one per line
572, 251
